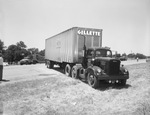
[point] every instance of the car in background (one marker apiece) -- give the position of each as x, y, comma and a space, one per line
5, 64
35, 61
25, 61
148, 59
123, 58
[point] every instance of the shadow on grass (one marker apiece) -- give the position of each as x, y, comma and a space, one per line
107, 86
59, 69
4, 80
46, 74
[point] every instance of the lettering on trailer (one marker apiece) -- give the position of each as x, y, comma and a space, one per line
89, 32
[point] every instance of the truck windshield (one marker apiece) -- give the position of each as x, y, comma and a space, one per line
103, 53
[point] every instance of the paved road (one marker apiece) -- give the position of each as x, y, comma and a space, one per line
27, 72
130, 62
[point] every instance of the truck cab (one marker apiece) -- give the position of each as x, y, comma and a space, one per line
98, 65
95, 53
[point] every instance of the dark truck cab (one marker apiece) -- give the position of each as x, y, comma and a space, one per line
98, 65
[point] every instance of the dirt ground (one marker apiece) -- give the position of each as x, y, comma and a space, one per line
36, 90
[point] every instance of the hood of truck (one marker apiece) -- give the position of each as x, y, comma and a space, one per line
106, 59
111, 66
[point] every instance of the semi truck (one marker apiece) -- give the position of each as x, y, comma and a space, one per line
80, 53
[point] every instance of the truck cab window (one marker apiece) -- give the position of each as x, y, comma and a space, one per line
103, 53
109, 54
98, 53
90, 53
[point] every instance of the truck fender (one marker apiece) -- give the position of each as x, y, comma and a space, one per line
124, 70
93, 69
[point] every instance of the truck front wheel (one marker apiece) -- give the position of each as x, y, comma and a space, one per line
92, 80
68, 70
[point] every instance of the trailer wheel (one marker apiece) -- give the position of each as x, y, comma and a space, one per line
74, 72
68, 70
92, 80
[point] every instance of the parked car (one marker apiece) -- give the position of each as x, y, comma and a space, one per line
35, 61
5, 63
148, 59
123, 58
25, 61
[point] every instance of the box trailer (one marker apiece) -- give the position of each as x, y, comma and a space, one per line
80, 53
66, 47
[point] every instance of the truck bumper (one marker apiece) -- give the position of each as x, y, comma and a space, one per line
112, 77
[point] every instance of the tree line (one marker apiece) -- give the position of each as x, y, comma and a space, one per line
18, 51
131, 55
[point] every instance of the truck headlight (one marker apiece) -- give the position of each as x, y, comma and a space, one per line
98, 70
126, 71
93, 59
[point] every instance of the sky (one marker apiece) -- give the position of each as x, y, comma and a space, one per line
125, 23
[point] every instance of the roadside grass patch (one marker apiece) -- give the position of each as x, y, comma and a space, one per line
62, 95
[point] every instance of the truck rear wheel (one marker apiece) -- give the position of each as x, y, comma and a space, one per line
92, 80
74, 72
68, 70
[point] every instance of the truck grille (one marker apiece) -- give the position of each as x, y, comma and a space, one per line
113, 67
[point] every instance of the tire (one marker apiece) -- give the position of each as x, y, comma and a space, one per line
68, 70
74, 73
92, 80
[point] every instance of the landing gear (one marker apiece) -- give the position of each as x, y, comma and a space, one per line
50, 64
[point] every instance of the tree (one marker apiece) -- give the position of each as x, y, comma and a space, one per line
118, 55
10, 53
14, 53
124, 54
131, 55
42, 52
1, 45
21, 44
33, 50
140, 56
